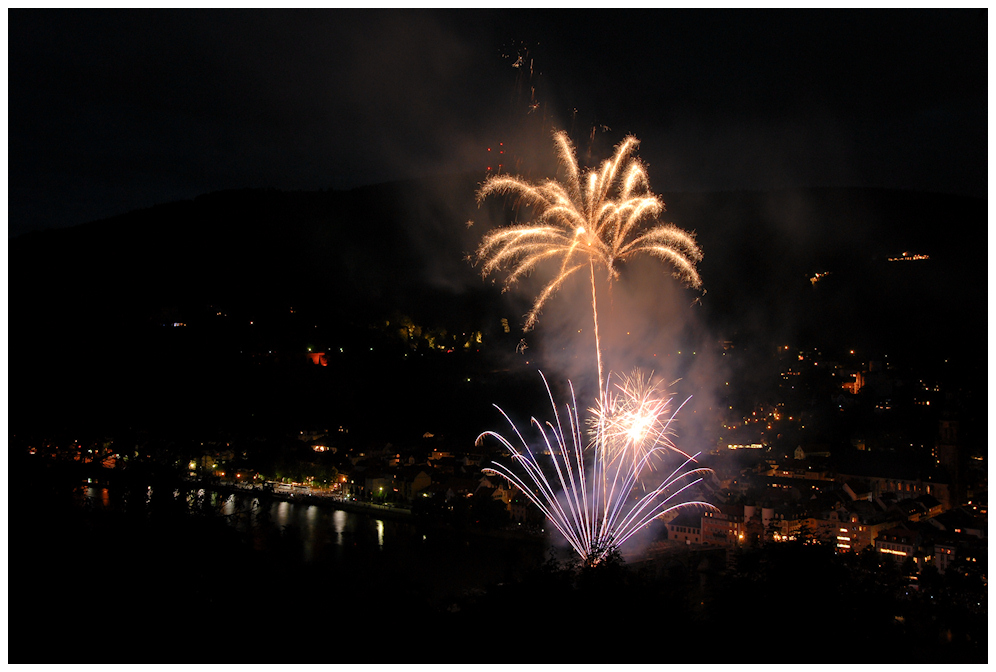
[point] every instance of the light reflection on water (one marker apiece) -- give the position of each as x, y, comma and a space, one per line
338, 524
283, 514
314, 527
318, 529
94, 497
318, 534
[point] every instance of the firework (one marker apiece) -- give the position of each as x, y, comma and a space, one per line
631, 416
587, 490
587, 487
596, 218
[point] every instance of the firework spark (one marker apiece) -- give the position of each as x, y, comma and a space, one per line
586, 491
631, 416
596, 218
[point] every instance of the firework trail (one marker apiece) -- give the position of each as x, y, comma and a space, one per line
586, 491
595, 218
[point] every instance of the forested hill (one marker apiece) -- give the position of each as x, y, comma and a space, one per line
795, 266
404, 246
347, 251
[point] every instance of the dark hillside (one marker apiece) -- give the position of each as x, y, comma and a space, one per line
255, 278
763, 249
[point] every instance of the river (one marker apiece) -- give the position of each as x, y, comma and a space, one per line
444, 562
319, 528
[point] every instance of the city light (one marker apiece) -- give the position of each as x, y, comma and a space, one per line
890, 551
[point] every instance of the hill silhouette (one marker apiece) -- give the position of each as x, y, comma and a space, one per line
256, 277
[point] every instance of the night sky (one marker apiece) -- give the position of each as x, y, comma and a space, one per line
110, 111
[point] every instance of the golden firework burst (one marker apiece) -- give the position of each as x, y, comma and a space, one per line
596, 218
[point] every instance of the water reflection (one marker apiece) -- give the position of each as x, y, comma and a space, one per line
316, 532
339, 522
339, 519
283, 513
310, 518
92, 497
320, 535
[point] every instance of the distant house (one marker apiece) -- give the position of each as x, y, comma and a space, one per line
908, 509
378, 484
787, 523
931, 505
799, 469
470, 460
499, 489
945, 554
412, 481
965, 551
857, 488
853, 527
440, 454
899, 542
897, 481
686, 527
490, 480
311, 435
521, 510
462, 486
810, 451
445, 463
724, 527
960, 521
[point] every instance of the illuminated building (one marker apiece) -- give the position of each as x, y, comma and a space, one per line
944, 555
852, 527
786, 524
724, 527
910, 256
686, 527
853, 381
899, 542
500, 489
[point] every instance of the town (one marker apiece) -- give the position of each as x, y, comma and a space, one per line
855, 452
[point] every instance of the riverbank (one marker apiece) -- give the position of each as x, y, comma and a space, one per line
382, 511
62, 477
317, 499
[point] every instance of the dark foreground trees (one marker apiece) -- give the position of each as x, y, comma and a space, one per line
780, 603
